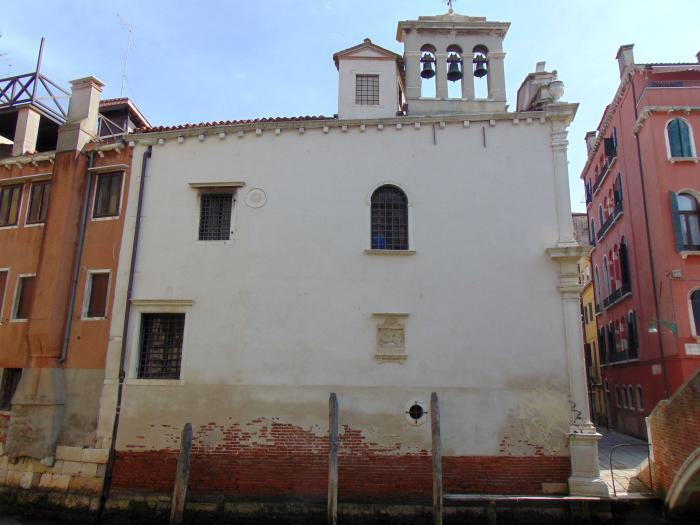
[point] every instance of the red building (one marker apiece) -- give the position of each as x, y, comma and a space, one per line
642, 181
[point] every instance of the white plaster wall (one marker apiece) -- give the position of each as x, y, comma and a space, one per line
283, 311
367, 62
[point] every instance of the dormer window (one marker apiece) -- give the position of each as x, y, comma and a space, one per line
367, 90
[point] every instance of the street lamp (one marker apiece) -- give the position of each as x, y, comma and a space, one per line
653, 327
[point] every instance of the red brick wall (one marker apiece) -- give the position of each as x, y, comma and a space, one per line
288, 462
675, 431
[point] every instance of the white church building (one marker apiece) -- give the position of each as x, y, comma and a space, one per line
420, 241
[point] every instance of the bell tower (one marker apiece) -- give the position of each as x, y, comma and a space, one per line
453, 64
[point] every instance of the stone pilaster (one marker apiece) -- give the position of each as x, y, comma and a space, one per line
497, 76
559, 144
441, 72
583, 438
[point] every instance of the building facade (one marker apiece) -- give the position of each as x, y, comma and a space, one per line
278, 260
641, 192
64, 177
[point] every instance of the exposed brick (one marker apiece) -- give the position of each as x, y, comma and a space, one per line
282, 461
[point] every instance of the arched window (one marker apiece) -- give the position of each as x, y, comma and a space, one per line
679, 139
428, 84
455, 71
607, 274
592, 232
690, 220
695, 307
389, 219
480, 61
624, 264
640, 398
632, 333
596, 286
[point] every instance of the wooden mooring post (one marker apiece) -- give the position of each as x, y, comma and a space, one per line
333, 460
437, 458
177, 508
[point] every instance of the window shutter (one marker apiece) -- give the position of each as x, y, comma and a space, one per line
26, 294
686, 150
676, 218
98, 295
609, 147
619, 187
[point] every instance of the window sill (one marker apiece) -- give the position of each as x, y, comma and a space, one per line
625, 362
9, 227
19, 320
390, 252
33, 225
155, 382
93, 318
110, 218
685, 253
673, 160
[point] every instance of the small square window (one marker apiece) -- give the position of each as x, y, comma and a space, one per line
215, 216
10, 381
24, 295
10, 200
107, 195
367, 90
96, 295
161, 346
38, 202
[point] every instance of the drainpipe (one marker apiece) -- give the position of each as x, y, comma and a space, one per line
651, 256
77, 258
125, 330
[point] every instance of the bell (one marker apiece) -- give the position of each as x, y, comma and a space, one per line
427, 71
453, 72
480, 69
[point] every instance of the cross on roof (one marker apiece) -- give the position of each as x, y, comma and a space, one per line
449, 4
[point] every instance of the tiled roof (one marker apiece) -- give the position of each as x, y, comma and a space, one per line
154, 129
136, 115
113, 101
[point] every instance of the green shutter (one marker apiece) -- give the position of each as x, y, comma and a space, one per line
675, 216
686, 150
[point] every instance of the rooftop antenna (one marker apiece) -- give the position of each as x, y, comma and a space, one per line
127, 26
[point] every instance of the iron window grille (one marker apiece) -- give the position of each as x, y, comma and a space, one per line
367, 90
38, 202
215, 216
10, 199
108, 195
389, 219
161, 346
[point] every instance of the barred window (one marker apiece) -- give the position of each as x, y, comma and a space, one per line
38, 202
367, 90
389, 219
107, 195
215, 216
161, 346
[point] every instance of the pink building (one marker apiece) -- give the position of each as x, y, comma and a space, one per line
642, 181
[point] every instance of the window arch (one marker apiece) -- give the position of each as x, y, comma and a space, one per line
679, 137
695, 308
689, 213
640, 398
389, 218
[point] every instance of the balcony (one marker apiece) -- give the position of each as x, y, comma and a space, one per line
35, 89
617, 211
609, 161
617, 296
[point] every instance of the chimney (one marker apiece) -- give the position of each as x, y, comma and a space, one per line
26, 131
625, 57
83, 109
697, 55
590, 140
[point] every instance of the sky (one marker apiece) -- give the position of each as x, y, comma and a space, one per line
219, 60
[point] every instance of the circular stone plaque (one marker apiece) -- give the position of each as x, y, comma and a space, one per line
256, 198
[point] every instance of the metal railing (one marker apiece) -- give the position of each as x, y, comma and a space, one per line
612, 473
610, 220
604, 172
34, 88
616, 295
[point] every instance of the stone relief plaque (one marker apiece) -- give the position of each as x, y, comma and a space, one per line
391, 337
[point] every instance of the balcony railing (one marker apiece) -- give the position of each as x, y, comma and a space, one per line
108, 128
617, 295
609, 161
610, 220
36, 89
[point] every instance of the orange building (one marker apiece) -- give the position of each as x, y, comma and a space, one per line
63, 175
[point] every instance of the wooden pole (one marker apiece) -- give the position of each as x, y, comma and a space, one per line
182, 475
437, 459
333, 460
